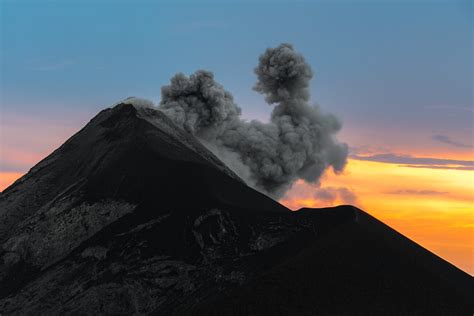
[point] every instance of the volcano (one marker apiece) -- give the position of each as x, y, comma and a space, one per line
133, 215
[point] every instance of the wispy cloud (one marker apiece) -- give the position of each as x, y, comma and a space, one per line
57, 65
440, 167
193, 26
417, 192
446, 140
8, 166
27, 139
304, 194
418, 162
451, 108
331, 194
367, 150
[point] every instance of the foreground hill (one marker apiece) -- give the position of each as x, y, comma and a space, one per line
360, 267
134, 216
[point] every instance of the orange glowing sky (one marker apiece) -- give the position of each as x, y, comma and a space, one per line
433, 207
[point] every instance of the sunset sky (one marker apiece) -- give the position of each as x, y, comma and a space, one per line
397, 73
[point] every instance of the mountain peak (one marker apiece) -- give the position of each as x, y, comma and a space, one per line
132, 215
127, 156
133, 109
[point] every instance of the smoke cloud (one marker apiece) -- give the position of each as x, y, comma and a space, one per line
331, 194
298, 143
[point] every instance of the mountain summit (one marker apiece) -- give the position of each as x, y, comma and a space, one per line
133, 215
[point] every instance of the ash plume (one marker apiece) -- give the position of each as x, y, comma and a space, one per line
298, 143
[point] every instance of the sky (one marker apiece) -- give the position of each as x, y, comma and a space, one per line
397, 73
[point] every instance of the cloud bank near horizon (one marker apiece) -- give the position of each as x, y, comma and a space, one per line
417, 162
447, 140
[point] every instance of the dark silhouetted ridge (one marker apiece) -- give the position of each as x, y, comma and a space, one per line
132, 215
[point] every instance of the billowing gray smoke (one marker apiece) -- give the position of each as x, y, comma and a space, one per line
298, 142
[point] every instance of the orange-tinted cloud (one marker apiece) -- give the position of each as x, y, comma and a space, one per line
310, 195
418, 162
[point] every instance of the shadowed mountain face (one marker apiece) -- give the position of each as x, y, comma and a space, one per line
134, 216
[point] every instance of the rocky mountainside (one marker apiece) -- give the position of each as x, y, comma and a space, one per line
134, 216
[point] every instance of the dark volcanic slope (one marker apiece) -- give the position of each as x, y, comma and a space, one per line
132, 215
361, 267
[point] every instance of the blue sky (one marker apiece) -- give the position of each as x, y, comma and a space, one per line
397, 73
